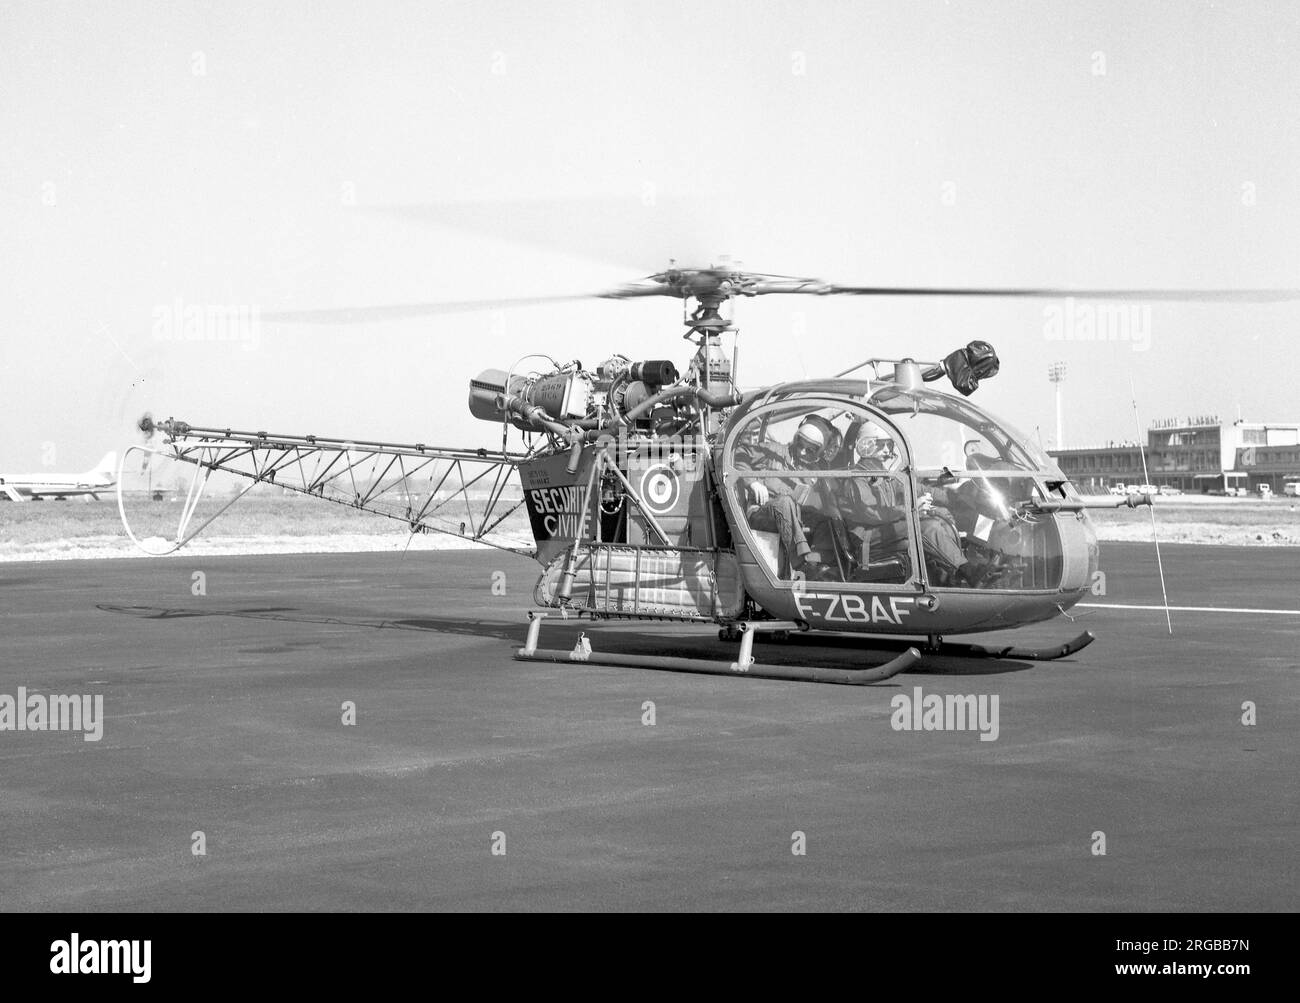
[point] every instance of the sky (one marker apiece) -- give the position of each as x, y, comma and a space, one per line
255, 157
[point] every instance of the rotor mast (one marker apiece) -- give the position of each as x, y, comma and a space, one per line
710, 367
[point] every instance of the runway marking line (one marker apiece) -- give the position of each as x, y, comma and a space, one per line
1191, 609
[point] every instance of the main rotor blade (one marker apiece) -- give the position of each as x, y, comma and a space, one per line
1148, 295
756, 284
401, 311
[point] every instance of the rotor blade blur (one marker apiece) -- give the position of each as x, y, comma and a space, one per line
767, 285
640, 234
634, 290
400, 311
1150, 295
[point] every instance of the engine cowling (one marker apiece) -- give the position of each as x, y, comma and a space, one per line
562, 396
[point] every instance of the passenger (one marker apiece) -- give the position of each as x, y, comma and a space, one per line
782, 505
941, 543
872, 507
876, 513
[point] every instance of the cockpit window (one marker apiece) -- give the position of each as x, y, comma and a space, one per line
824, 494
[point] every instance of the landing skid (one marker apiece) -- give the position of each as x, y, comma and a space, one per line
743, 665
940, 647
1012, 651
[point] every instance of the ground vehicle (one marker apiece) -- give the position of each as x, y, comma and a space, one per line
1291, 489
1169, 489
1117, 489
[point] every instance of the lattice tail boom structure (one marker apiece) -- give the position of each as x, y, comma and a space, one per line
431, 489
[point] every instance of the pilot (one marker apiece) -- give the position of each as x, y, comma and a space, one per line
785, 506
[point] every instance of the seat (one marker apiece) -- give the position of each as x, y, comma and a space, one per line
891, 568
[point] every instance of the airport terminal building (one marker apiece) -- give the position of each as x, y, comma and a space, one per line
1196, 455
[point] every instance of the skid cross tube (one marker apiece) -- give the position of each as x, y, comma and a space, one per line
744, 665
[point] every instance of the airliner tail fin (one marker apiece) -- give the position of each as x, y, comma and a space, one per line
106, 469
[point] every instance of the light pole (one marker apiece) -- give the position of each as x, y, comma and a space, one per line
1056, 373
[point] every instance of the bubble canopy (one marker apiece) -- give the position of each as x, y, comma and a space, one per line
883, 487
945, 431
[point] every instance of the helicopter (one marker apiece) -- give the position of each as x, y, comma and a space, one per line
868, 504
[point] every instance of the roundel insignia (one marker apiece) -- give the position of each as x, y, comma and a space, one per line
660, 489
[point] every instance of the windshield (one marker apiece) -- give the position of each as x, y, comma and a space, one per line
976, 471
